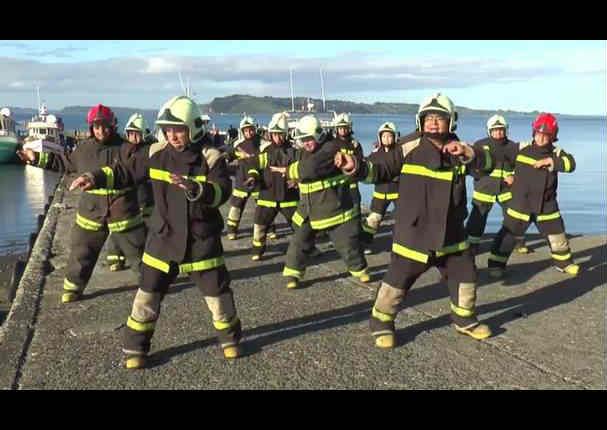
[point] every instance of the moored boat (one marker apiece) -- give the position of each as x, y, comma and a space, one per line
8, 136
45, 133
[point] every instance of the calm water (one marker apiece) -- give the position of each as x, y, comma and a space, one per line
582, 195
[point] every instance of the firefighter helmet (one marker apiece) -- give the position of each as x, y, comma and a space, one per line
437, 104
136, 122
101, 113
247, 121
343, 120
387, 126
308, 126
546, 123
278, 124
181, 110
497, 121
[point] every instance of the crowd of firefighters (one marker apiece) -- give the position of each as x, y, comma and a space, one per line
158, 200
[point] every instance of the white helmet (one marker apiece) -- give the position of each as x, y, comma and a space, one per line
497, 121
387, 126
278, 124
136, 122
437, 103
308, 126
247, 121
343, 120
182, 110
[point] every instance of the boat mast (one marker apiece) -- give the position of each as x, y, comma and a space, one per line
322, 87
291, 81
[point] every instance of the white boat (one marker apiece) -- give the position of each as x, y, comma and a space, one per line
45, 133
8, 136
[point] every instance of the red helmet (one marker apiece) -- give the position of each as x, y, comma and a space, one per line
101, 113
546, 123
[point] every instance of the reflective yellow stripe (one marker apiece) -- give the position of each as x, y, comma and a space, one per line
461, 311
109, 192
409, 253
482, 197
255, 194
293, 170
499, 173
109, 175
288, 204
163, 175
252, 171
232, 223
562, 257
69, 286
488, 160
517, 215
380, 196
287, 271
494, 257
382, 316
263, 160
451, 249
267, 203
155, 263
201, 265
504, 196
347, 151
566, 163
371, 175
391, 196
526, 160
354, 185
242, 194
258, 243
126, 224
218, 194
359, 273
43, 159
223, 325
297, 219
413, 169
137, 326
240, 154
324, 184
335, 220
87, 224
547, 217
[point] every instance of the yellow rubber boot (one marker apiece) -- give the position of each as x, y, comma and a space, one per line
364, 277
273, 235
232, 352
135, 362
292, 283
522, 250
232, 236
70, 297
385, 341
478, 332
572, 269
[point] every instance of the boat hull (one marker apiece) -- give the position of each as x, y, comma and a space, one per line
40, 145
8, 146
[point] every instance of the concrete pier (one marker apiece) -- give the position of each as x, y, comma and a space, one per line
549, 328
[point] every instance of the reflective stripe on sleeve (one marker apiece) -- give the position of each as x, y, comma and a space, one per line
566, 163
451, 249
482, 197
525, 160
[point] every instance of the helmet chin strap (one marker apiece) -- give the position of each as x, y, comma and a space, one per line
442, 137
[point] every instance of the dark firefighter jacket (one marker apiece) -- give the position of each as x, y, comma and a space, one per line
250, 146
145, 195
176, 221
116, 207
351, 146
489, 185
385, 190
274, 190
433, 218
534, 190
324, 192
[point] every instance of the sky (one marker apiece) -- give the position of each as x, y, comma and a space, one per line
567, 77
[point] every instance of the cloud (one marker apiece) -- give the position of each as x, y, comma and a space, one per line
66, 52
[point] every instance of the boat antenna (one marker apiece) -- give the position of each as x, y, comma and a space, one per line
322, 87
291, 81
185, 91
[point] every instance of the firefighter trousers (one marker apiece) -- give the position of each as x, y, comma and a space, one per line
264, 217
550, 226
116, 247
238, 201
345, 238
372, 222
214, 285
456, 268
86, 246
477, 222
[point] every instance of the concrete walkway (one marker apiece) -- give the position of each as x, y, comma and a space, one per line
549, 328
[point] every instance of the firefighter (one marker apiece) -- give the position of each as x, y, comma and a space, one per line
325, 204
100, 211
536, 169
429, 229
190, 181
492, 182
384, 193
344, 136
244, 147
139, 138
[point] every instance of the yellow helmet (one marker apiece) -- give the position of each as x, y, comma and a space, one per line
278, 124
308, 126
136, 122
497, 121
247, 121
343, 120
182, 110
437, 103
387, 126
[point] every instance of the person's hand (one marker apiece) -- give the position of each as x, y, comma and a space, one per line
291, 183
281, 170
183, 183
26, 155
509, 180
345, 162
83, 182
454, 148
544, 162
250, 183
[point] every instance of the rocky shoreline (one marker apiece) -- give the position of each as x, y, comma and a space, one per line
7, 267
